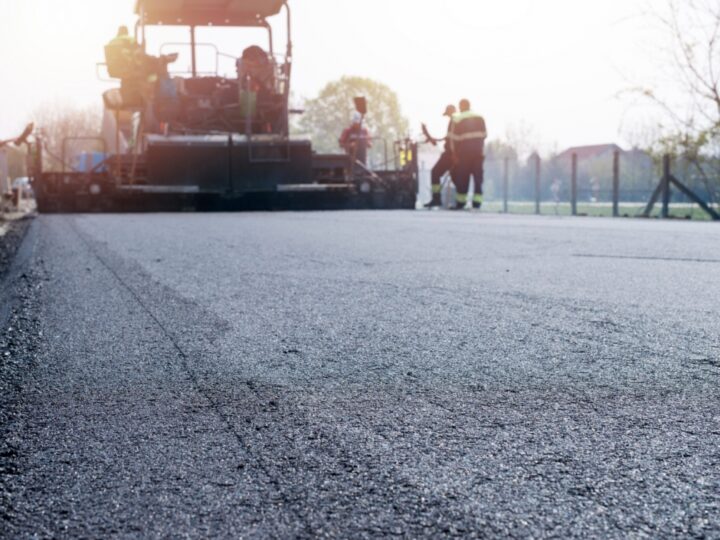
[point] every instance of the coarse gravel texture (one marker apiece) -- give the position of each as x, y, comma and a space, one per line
11, 235
411, 374
18, 343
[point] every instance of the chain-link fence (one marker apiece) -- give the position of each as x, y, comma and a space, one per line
596, 183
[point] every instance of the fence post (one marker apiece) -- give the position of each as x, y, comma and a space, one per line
506, 184
573, 185
616, 184
537, 184
666, 186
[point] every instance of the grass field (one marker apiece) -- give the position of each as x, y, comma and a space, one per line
678, 211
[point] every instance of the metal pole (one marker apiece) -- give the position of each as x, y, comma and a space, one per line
616, 184
653, 200
141, 24
666, 187
230, 164
192, 51
573, 185
693, 197
506, 184
416, 167
537, 184
117, 145
21, 188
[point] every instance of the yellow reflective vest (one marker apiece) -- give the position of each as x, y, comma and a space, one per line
468, 133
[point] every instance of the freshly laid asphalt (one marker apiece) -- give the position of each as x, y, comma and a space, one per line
412, 374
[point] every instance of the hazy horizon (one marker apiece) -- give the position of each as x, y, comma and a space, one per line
555, 68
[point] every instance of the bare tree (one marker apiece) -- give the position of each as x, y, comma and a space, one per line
523, 138
60, 125
691, 106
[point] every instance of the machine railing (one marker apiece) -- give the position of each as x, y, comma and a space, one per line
218, 54
98, 73
279, 61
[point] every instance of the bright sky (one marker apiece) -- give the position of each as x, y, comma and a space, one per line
554, 65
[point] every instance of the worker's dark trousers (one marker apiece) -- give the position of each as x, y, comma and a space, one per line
442, 167
470, 166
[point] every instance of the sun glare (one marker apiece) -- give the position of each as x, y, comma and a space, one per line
556, 65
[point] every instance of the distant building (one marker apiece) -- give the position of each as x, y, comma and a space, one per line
589, 152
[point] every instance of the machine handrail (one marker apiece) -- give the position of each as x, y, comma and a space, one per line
186, 44
99, 75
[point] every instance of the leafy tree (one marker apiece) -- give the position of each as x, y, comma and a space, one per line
496, 152
327, 115
498, 149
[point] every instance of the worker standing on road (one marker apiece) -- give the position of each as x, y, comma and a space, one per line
467, 143
444, 165
355, 140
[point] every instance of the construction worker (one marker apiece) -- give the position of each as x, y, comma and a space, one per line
355, 140
123, 55
467, 142
127, 60
124, 39
124, 58
444, 165
256, 71
143, 77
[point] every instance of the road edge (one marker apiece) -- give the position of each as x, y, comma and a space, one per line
20, 337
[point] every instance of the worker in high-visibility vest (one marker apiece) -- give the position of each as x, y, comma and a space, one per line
124, 39
123, 55
467, 142
406, 156
138, 71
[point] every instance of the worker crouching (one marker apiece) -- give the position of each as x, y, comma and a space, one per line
467, 142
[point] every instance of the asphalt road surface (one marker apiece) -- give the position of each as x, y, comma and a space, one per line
416, 374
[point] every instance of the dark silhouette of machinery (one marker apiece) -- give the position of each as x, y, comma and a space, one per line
212, 141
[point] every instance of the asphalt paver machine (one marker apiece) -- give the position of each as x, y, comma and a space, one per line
208, 141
